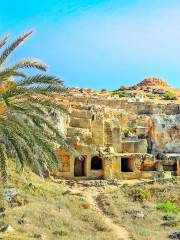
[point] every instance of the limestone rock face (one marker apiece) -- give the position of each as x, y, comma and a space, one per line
118, 138
165, 133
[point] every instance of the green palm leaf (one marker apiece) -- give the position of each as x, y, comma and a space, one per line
28, 132
30, 63
9, 50
4, 41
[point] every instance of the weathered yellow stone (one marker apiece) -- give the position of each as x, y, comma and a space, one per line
96, 129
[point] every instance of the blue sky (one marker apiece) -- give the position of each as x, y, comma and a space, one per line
99, 44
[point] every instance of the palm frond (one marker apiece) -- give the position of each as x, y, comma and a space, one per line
8, 51
41, 79
48, 103
4, 41
30, 63
3, 163
22, 137
28, 132
6, 74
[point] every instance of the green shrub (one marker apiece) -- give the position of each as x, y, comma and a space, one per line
140, 195
125, 185
127, 132
169, 96
120, 94
169, 217
168, 207
33, 189
61, 232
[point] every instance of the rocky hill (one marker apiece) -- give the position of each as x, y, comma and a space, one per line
156, 89
152, 90
109, 128
153, 82
131, 125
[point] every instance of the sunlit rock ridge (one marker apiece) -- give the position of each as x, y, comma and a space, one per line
133, 132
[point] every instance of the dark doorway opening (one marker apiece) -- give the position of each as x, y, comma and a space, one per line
126, 165
170, 167
96, 163
79, 165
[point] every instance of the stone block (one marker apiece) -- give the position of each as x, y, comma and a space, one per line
98, 131
80, 123
81, 113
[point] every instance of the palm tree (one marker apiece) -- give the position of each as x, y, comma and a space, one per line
27, 130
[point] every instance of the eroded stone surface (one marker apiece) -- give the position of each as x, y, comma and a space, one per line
125, 136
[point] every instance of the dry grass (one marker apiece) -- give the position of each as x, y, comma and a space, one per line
42, 208
121, 204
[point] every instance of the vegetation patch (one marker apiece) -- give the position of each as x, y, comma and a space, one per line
139, 194
62, 232
169, 96
127, 132
152, 224
120, 94
169, 217
168, 207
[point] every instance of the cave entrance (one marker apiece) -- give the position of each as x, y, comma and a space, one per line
79, 166
96, 163
167, 167
126, 165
